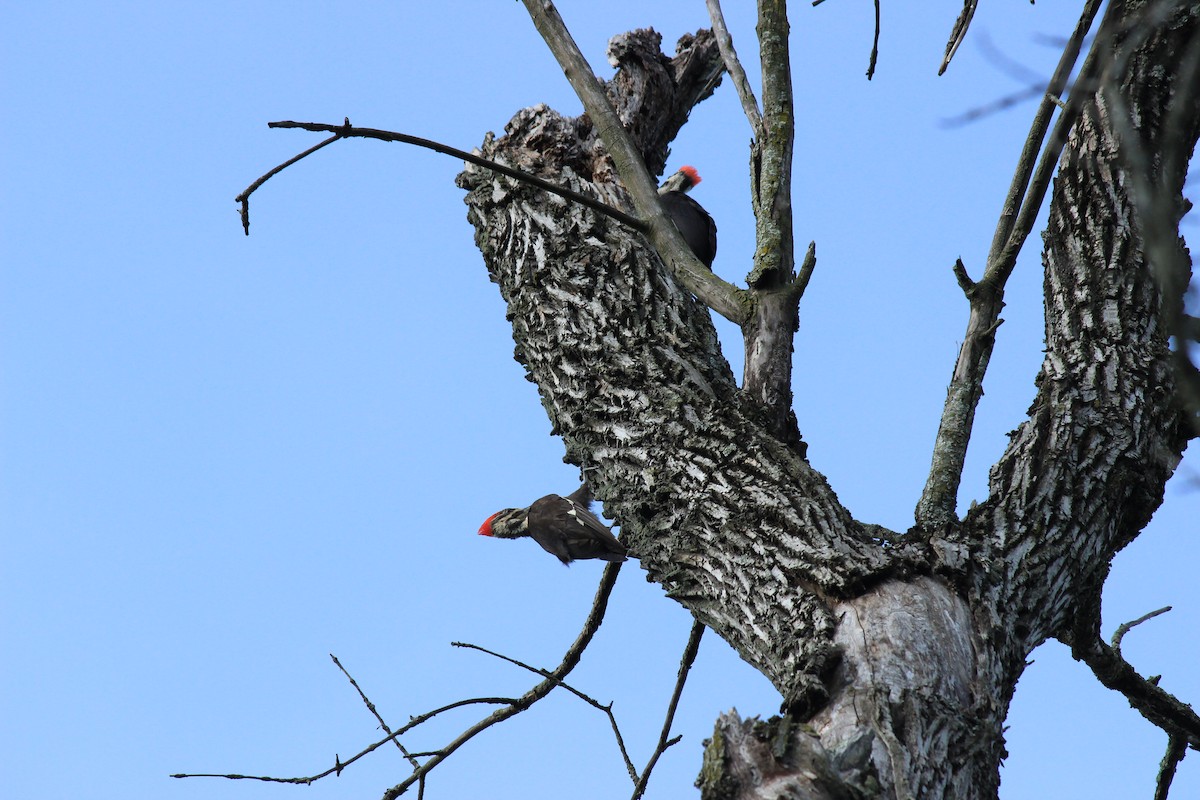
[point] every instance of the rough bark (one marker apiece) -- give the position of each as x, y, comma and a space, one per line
899, 655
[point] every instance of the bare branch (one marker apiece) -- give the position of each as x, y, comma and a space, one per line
591, 701
339, 765
512, 707
244, 198
806, 270
569, 661
937, 506
874, 46
1159, 707
770, 332
1176, 750
964, 280
685, 664
1029, 186
958, 33
346, 131
726, 299
732, 65
771, 178
1124, 628
1155, 704
373, 710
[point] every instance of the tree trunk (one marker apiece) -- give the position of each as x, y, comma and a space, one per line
898, 654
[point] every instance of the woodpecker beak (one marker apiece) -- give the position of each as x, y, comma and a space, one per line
486, 528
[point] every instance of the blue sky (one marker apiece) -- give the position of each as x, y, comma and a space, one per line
225, 457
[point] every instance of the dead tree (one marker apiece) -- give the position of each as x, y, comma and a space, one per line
898, 652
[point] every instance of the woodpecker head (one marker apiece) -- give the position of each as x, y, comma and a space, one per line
506, 524
681, 181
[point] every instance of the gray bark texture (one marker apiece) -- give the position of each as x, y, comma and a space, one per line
896, 656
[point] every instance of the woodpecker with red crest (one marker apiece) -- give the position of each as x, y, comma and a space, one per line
565, 527
694, 223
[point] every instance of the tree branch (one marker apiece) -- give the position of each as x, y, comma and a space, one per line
374, 711
734, 67
939, 499
346, 131
726, 299
1159, 707
244, 198
1176, 750
1124, 628
685, 665
591, 701
958, 33
512, 707
568, 663
339, 765
770, 332
1084, 473
874, 45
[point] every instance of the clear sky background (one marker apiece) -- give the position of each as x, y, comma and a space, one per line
224, 458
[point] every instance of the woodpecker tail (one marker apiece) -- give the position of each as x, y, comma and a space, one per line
582, 495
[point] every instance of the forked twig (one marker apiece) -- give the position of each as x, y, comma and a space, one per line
374, 711
1035, 168
511, 707
685, 664
346, 131
1161, 708
591, 701
338, 764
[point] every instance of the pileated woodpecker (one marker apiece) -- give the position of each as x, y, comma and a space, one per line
563, 526
693, 222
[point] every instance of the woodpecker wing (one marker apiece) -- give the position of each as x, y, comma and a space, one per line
694, 223
569, 531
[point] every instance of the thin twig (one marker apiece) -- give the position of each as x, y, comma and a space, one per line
373, 710
570, 659
1124, 628
734, 67
958, 33
512, 706
1176, 750
874, 45
591, 701
339, 765
346, 131
244, 198
685, 665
